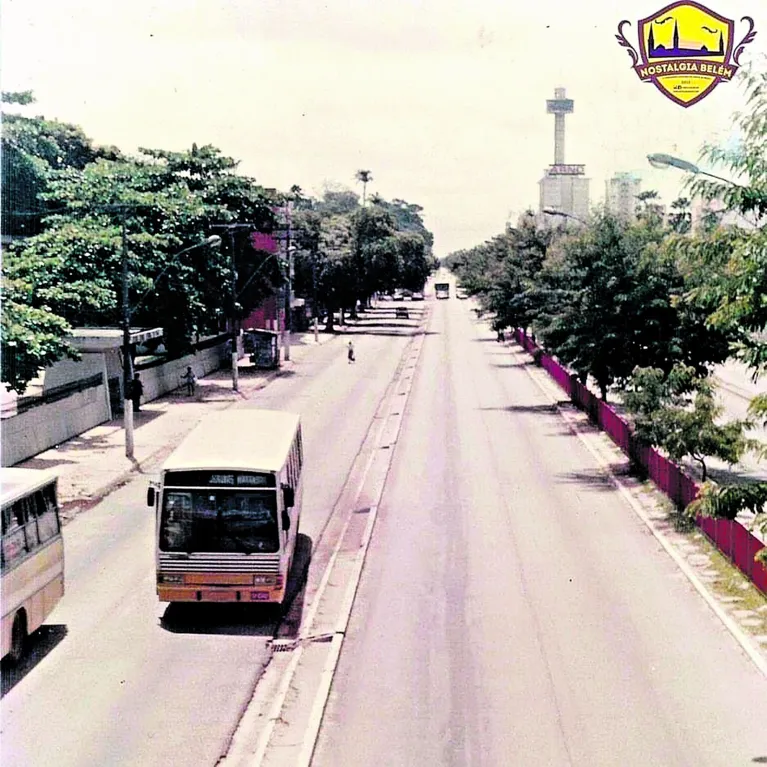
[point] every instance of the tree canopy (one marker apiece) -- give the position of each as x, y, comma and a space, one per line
75, 212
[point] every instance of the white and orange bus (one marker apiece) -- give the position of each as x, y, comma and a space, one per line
228, 507
32, 555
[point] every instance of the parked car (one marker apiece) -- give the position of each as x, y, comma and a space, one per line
397, 295
401, 313
407, 294
417, 296
461, 293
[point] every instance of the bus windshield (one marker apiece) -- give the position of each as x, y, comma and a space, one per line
219, 520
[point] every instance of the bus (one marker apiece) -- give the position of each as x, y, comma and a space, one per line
442, 289
228, 508
32, 555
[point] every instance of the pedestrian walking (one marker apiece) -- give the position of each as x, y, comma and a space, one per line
350, 352
189, 379
136, 390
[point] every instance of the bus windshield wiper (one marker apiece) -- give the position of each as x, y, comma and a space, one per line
245, 545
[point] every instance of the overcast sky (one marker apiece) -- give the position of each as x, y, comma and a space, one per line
443, 100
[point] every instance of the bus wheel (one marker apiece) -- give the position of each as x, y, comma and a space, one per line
18, 637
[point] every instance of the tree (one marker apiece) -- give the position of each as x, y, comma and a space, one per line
157, 206
733, 287
649, 208
365, 177
337, 202
33, 337
680, 219
33, 147
678, 413
594, 300
335, 273
375, 251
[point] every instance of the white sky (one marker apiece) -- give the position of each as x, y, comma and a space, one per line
443, 100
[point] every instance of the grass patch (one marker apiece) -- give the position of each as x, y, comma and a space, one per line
730, 582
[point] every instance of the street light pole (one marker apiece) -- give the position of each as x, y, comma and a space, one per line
229, 228
233, 296
127, 360
127, 311
314, 296
289, 283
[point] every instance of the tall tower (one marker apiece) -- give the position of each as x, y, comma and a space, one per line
559, 106
563, 187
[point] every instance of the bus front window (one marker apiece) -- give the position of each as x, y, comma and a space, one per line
219, 521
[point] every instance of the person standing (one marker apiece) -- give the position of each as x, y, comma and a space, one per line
136, 390
350, 353
189, 379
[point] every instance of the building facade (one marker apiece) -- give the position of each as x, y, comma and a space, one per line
621, 195
564, 188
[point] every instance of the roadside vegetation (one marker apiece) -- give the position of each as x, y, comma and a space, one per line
645, 308
75, 213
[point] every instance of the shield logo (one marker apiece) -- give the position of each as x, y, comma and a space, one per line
686, 50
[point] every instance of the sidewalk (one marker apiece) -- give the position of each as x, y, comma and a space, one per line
94, 463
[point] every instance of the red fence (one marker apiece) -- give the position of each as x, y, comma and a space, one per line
729, 536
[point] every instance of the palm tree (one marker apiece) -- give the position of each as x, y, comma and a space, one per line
364, 176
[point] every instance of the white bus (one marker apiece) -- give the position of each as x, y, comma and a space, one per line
32, 555
228, 508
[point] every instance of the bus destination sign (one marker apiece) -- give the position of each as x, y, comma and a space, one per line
219, 479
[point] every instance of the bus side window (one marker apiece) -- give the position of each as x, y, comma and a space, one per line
14, 541
291, 469
47, 516
300, 450
29, 504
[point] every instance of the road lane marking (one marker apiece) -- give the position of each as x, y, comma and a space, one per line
391, 410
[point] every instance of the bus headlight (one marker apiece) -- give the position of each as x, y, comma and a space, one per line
170, 578
263, 580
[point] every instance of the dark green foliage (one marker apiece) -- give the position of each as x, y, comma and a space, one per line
677, 412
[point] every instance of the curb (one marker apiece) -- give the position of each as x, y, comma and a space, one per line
549, 390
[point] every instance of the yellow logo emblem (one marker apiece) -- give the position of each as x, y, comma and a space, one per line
686, 50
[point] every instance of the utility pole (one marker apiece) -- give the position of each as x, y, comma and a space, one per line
127, 360
289, 283
314, 294
233, 297
229, 228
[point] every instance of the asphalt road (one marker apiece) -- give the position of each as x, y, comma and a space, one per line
513, 610
118, 678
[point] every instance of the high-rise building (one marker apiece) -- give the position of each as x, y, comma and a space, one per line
714, 213
621, 195
563, 187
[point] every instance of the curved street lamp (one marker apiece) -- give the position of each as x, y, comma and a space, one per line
213, 241
562, 214
669, 161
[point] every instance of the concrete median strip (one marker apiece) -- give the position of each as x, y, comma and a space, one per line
282, 723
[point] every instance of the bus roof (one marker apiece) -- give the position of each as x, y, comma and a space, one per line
16, 483
241, 439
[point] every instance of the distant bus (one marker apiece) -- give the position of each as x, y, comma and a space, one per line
32, 555
228, 507
442, 289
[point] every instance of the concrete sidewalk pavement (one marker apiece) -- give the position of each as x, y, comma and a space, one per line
94, 463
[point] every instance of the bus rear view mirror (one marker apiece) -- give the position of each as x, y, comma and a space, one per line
288, 496
150, 497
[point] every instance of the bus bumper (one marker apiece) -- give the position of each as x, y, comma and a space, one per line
250, 594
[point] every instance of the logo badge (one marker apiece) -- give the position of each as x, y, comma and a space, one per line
686, 50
